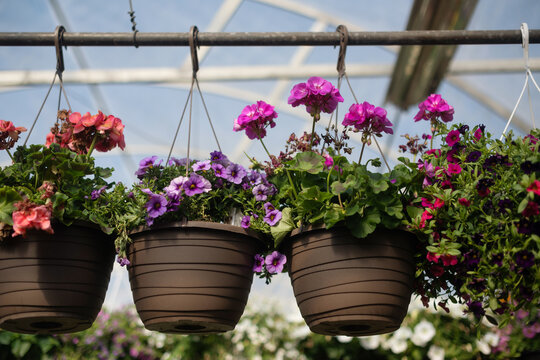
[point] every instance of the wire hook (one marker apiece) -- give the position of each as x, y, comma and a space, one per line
58, 40
193, 45
525, 43
344, 40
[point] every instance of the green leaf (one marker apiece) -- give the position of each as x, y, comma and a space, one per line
8, 197
522, 205
338, 188
333, 215
310, 162
378, 183
414, 211
362, 226
19, 348
5, 337
283, 227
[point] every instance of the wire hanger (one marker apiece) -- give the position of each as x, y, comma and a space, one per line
528, 73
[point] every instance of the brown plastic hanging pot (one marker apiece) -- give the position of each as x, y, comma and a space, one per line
54, 283
191, 277
349, 286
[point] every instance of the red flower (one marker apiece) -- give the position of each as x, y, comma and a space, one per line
436, 270
432, 257
534, 187
464, 202
426, 215
531, 209
449, 260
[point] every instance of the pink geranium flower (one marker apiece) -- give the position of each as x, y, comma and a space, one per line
31, 216
434, 107
317, 94
367, 118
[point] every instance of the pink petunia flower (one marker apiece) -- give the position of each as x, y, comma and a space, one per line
452, 138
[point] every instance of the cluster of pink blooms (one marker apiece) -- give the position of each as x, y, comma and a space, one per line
255, 119
317, 94
31, 216
434, 107
368, 119
9, 134
78, 132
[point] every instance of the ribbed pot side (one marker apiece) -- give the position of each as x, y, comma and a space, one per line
54, 283
349, 286
191, 278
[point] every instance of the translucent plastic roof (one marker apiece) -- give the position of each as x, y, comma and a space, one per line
150, 107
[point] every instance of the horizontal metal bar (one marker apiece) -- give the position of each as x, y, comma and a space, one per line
429, 37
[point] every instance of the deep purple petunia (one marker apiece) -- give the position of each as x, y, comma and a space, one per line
476, 308
524, 259
275, 262
196, 184
272, 217
473, 156
235, 173
219, 157
471, 259
498, 259
246, 220
156, 205
258, 264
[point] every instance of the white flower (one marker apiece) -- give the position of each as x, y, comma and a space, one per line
396, 345
483, 347
491, 338
403, 333
344, 339
435, 353
423, 333
370, 342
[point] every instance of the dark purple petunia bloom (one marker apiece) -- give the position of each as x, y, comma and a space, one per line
477, 285
498, 259
246, 220
524, 259
463, 129
528, 167
476, 308
272, 217
473, 156
275, 262
235, 173
260, 191
471, 259
505, 204
524, 227
219, 157
258, 264
156, 205
196, 184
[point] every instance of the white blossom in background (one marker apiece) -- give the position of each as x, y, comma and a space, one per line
491, 338
344, 339
435, 353
370, 342
483, 347
396, 345
424, 331
403, 333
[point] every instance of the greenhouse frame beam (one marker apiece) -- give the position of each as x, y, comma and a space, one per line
420, 37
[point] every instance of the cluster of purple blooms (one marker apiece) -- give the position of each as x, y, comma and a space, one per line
255, 118
273, 263
368, 119
317, 94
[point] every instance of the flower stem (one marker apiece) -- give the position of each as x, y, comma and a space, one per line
11, 157
92, 145
361, 152
287, 171
316, 117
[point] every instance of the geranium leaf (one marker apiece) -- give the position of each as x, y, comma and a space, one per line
362, 226
338, 188
283, 227
310, 162
333, 215
7, 198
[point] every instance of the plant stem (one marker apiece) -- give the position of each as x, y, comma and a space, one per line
361, 152
92, 145
287, 171
316, 117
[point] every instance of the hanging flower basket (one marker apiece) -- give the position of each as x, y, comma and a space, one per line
349, 286
191, 277
54, 283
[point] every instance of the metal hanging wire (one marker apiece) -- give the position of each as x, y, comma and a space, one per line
58, 43
528, 74
193, 44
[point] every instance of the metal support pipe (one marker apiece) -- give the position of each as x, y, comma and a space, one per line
427, 37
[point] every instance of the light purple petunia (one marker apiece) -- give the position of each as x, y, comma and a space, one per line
122, 261
97, 193
177, 162
272, 217
254, 177
145, 164
201, 165
196, 184
246, 221
156, 205
260, 191
275, 262
258, 264
174, 190
269, 207
219, 170
235, 173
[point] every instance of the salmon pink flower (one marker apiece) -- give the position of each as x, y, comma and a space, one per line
9, 134
31, 216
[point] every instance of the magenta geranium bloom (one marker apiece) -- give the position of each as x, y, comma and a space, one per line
275, 262
255, 118
368, 118
196, 184
317, 94
435, 107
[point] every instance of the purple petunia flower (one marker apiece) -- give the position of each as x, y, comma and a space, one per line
156, 205
476, 308
219, 158
97, 193
275, 262
524, 259
498, 259
201, 165
473, 156
269, 207
174, 190
219, 170
258, 264
178, 162
122, 261
196, 184
146, 164
235, 173
254, 177
272, 217
246, 221
260, 192
471, 259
